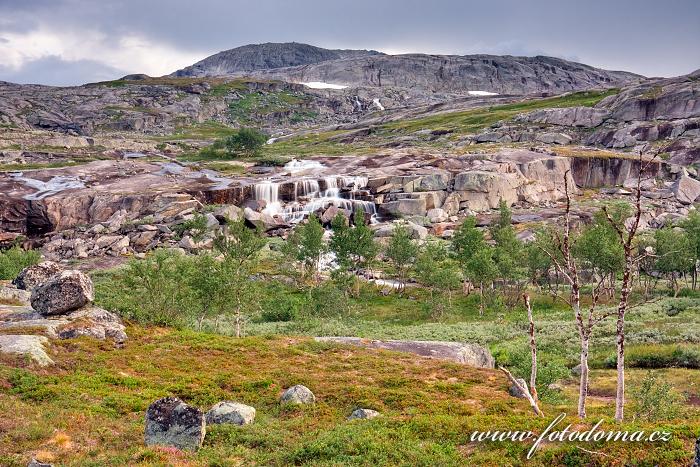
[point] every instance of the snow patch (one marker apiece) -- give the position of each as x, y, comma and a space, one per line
322, 85
482, 93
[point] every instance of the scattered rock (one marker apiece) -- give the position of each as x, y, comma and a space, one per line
230, 412
363, 414
32, 346
35, 275
63, 292
576, 371
553, 138
686, 189
14, 294
36, 463
404, 207
228, 212
298, 394
171, 422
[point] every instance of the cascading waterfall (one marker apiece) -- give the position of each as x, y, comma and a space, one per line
341, 191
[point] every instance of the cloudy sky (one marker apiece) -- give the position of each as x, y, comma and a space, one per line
78, 41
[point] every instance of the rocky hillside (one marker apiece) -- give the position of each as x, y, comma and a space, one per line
294, 62
265, 56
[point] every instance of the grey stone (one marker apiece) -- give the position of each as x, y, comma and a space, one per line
64, 292
404, 207
32, 346
686, 189
553, 138
468, 354
298, 394
363, 414
171, 422
230, 412
35, 275
36, 463
516, 391
228, 212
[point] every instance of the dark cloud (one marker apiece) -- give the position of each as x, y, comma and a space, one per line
54, 71
645, 36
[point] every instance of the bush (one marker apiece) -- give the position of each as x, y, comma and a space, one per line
326, 300
195, 226
550, 368
658, 357
655, 400
15, 259
246, 142
277, 303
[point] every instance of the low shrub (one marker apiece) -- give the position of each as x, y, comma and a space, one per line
13, 260
655, 400
659, 356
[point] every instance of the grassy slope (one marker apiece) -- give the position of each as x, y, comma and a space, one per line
88, 410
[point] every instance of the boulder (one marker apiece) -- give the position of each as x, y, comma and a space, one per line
516, 391
230, 412
576, 371
553, 138
260, 220
437, 215
171, 422
451, 204
66, 291
31, 346
228, 212
363, 414
93, 322
13, 294
298, 394
36, 463
696, 462
35, 275
468, 354
417, 232
686, 189
404, 207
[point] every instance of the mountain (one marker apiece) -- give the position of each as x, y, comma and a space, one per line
265, 56
295, 62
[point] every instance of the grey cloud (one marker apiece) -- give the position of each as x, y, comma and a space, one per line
54, 71
643, 36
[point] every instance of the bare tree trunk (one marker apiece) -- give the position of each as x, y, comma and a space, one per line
583, 382
533, 348
621, 310
528, 396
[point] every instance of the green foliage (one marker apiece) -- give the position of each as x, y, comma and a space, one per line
435, 270
246, 143
354, 246
196, 227
551, 368
13, 260
658, 357
655, 399
598, 245
306, 246
401, 252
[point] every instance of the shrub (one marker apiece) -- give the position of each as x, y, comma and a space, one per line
655, 400
326, 300
277, 303
15, 259
658, 357
195, 226
246, 142
550, 368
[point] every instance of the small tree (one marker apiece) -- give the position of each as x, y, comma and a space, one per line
508, 254
306, 246
436, 271
401, 251
240, 248
675, 255
354, 247
691, 226
246, 142
475, 257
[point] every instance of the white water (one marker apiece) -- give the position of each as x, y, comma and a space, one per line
482, 93
322, 85
378, 103
295, 166
55, 185
341, 191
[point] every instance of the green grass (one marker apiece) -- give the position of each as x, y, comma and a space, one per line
280, 105
89, 408
13, 260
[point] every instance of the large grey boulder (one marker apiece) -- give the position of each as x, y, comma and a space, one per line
31, 346
363, 414
686, 189
298, 394
404, 207
232, 413
468, 354
36, 274
260, 220
63, 292
93, 322
171, 422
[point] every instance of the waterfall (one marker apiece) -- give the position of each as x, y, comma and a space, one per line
344, 192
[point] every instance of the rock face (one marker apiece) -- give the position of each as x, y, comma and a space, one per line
31, 346
63, 292
230, 412
35, 275
363, 414
298, 394
468, 354
171, 422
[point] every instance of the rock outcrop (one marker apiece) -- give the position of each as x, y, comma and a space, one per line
468, 354
171, 422
26, 345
